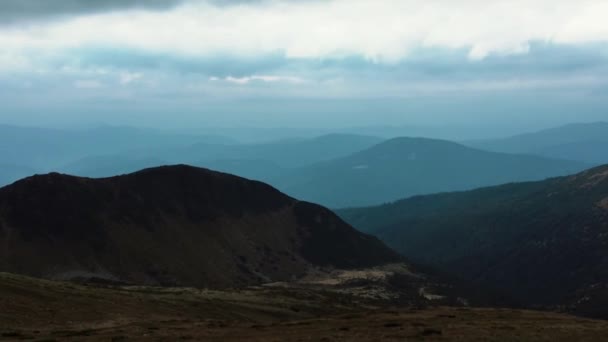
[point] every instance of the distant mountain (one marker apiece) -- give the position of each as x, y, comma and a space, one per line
403, 167
284, 153
257, 161
10, 173
261, 170
174, 225
107, 166
587, 142
595, 152
544, 243
48, 149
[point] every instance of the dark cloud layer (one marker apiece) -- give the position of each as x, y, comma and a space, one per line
14, 11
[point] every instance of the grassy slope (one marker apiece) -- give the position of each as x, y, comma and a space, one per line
48, 310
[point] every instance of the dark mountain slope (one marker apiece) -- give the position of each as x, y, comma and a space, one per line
546, 243
172, 225
404, 167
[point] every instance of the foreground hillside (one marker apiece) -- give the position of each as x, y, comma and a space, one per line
54, 311
544, 243
175, 225
404, 167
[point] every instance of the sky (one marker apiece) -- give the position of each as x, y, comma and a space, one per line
319, 63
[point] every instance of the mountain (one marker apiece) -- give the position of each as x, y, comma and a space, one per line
544, 243
284, 153
260, 161
10, 173
591, 151
107, 166
48, 149
587, 142
404, 167
261, 170
173, 225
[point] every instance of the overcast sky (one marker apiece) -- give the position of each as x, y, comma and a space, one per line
316, 63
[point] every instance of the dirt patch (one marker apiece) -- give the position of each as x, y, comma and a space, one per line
603, 203
595, 179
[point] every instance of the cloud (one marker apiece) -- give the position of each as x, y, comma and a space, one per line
15, 11
139, 59
383, 31
261, 78
182, 50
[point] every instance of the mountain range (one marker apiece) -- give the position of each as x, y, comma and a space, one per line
586, 142
256, 254
403, 167
44, 149
335, 170
347, 170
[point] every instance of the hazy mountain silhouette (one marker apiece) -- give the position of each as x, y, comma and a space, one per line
403, 167
10, 173
174, 225
542, 242
586, 142
284, 153
106, 166
260, 161
48, 149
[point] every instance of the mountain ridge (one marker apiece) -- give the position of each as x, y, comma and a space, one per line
578, 141
172, 225
542, 242
403, 167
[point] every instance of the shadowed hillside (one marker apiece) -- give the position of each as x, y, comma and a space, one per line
175, 225
544, 243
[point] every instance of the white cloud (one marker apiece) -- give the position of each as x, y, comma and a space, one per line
379, 30
262, 78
